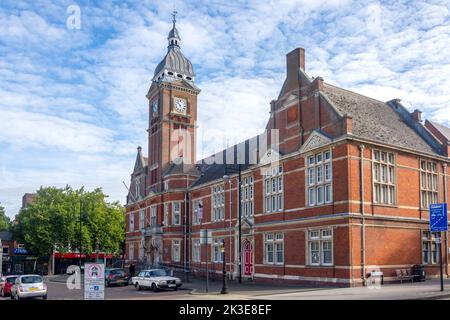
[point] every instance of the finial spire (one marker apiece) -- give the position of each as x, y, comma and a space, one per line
174, 15
174, 37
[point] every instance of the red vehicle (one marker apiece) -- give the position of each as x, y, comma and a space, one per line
6, 283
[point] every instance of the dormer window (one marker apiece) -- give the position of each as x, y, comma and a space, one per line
188, 78
179, 75
170, 73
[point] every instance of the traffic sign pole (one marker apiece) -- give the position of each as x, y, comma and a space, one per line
439, 223
440, 262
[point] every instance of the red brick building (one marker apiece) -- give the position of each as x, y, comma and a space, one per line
345, 186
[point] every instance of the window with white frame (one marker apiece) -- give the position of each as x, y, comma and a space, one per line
247, 193
218, 203
217, 253
141, 250
197, 213
137, 188
428, 183
274, 248
141, 218
196, 250
319, 178
176, 213
430, 247
166, 214
273, 189
131, 227
153, 215
383, 177
131, 251
320, 244
176, 250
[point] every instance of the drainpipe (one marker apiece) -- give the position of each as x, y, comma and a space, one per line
363, 227
185, 230
230, 275
444, 168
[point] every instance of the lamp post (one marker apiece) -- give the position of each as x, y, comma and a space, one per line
81, 235
224, 271
238, 171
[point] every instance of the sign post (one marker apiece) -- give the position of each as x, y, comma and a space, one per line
206, 238
94, 281
438, 223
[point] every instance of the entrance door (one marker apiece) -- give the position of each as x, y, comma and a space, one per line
248, 263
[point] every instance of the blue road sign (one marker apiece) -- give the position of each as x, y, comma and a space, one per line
438, 217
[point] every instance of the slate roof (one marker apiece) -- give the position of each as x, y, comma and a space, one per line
213, 171
375, 120
181, 168
175, 61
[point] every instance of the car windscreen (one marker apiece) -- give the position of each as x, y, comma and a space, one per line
31, 279
11, 280
159, 273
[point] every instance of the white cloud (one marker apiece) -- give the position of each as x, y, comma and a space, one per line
73, 106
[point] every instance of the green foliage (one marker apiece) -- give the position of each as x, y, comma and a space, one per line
5, 222
53, 221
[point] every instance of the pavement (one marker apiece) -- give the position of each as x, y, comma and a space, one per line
195, 289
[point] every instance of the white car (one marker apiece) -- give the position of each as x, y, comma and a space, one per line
155, 279
28, 286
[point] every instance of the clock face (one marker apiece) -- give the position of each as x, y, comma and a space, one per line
155, 108
180, 105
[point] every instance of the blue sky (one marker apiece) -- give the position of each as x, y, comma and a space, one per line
72, 102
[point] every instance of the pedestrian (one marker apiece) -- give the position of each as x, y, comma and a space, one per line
132, 269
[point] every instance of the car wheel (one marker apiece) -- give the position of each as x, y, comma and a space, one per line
138, 286
12, 297
154, 287
44, 297
175, 289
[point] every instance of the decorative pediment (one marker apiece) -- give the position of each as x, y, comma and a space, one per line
271, 156
315, 140
247, 224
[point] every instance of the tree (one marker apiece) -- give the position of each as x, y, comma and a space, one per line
5, 222
52, 222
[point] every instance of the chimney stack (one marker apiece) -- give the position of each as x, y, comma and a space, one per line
417, 115
295, 60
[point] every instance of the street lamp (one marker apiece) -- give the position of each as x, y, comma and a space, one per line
81, 234
224, 271
238, 171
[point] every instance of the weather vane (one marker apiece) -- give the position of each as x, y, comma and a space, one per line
174, 14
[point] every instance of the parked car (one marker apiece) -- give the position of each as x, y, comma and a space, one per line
116, 276
155, 279
28, 286
6, 284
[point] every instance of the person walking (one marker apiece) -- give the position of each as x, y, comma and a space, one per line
132, 269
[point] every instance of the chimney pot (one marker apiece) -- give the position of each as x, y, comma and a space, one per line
417, 115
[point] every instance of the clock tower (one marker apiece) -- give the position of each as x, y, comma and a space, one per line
172, 112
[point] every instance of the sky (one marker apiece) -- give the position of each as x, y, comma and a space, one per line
72, 91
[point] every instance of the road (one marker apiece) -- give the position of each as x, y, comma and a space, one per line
59, 291
195, 289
